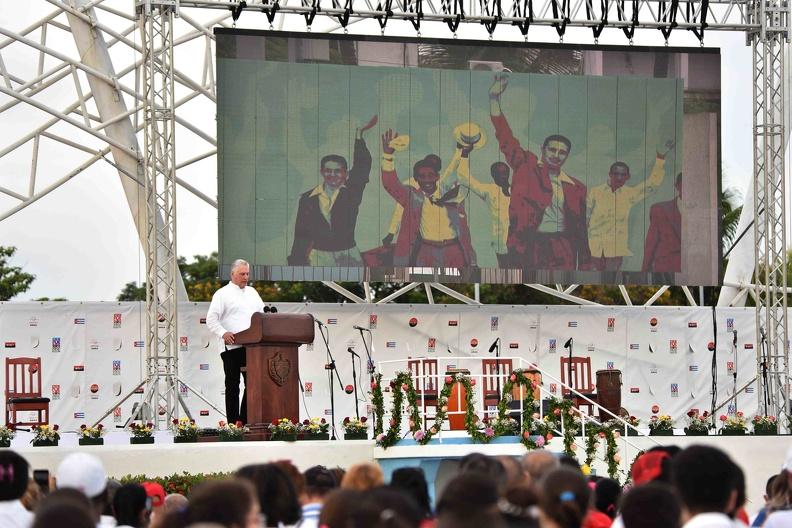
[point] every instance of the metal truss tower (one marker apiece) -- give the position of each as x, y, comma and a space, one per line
155, 18
768, 44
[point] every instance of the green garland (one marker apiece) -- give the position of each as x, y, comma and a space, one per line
379, 404
532, 429
423, 437
594, 433
400, 385
561, 411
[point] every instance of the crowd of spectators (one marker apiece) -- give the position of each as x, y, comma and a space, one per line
698, 487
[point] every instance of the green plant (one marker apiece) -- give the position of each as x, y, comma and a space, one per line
313, 426
355, 426
734, 423
180, 483
231, 431
402, 384
45, 433
92, 432
185, 428
6, 433
142, 430
282, 427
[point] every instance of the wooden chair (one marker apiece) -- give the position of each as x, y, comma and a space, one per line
580, 381
23, 391
492, 389
425, 380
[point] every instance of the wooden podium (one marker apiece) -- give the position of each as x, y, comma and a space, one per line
272, 364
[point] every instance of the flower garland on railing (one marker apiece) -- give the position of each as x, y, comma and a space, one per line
400, 385
534, 433
561, 412
378, 401
423, 437
608, 432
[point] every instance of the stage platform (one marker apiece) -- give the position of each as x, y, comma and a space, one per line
759, 456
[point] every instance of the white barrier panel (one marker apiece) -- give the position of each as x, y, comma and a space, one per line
92, 353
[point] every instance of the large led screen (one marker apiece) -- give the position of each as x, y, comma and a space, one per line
359, 158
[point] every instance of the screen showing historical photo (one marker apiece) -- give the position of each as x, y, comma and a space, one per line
360, 158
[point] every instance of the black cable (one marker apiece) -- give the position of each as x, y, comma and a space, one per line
525, 12
604, 6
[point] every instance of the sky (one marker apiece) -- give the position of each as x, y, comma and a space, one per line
80, 242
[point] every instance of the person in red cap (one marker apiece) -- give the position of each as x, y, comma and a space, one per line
652, 466
156, 493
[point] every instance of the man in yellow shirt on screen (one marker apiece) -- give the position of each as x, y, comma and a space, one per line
497, 196
608, 208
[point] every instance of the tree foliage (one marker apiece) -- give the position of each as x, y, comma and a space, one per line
13, 280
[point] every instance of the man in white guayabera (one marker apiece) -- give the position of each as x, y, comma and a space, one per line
229, 313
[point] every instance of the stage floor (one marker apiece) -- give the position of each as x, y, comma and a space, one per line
759, 456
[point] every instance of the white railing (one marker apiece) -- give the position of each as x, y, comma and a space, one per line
434, 382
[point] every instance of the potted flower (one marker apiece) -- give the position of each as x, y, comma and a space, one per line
45, 435
313, 429
765, 425
6, 434
633, 422
507, 426
733, 425
283, 429
186, 431
91, 435
697, 424
661, 425
234, 432
142, 433
355, 429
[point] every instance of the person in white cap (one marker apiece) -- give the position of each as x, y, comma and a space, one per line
87, 474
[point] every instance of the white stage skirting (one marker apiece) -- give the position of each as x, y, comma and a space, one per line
759, 456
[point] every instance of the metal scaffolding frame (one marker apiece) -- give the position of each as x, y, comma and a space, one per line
111, 97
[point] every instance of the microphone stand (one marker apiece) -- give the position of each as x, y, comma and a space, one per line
354, 380
497, 368
331, 367
765, 395
569, 369
370, 366
734, 373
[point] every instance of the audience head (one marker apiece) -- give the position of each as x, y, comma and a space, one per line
385, 507
539, 463
469, 500
513, 470
65, 508
277, 497
704, 479
175, 502
112, 486
13, 475
654, 465
564, 498
363, 477
337, 507
85, 473
517, 505
131, 505
412, 481
652, 505
606, 496
484, 465
230, 502
319, 481
769, 488
294, 474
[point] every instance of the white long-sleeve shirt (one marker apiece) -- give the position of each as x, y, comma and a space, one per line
231, 308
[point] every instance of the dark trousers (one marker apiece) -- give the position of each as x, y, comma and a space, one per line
233, 361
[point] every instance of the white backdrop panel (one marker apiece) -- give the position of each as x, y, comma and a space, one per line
100, 344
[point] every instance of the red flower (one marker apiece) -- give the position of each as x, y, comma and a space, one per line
373, 385
323, 421
473, 382
556, 411
192, 422
100, 427
55, 427
448, 379
83, 427
485, 419
740, 414
705, 415
306, 421
633, 418
239, 423
723, 418
175, 421
691, 413
363, 420
274, 422
221, 423
346, 420
149, 424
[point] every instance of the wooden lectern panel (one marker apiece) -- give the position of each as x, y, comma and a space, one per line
273, 365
